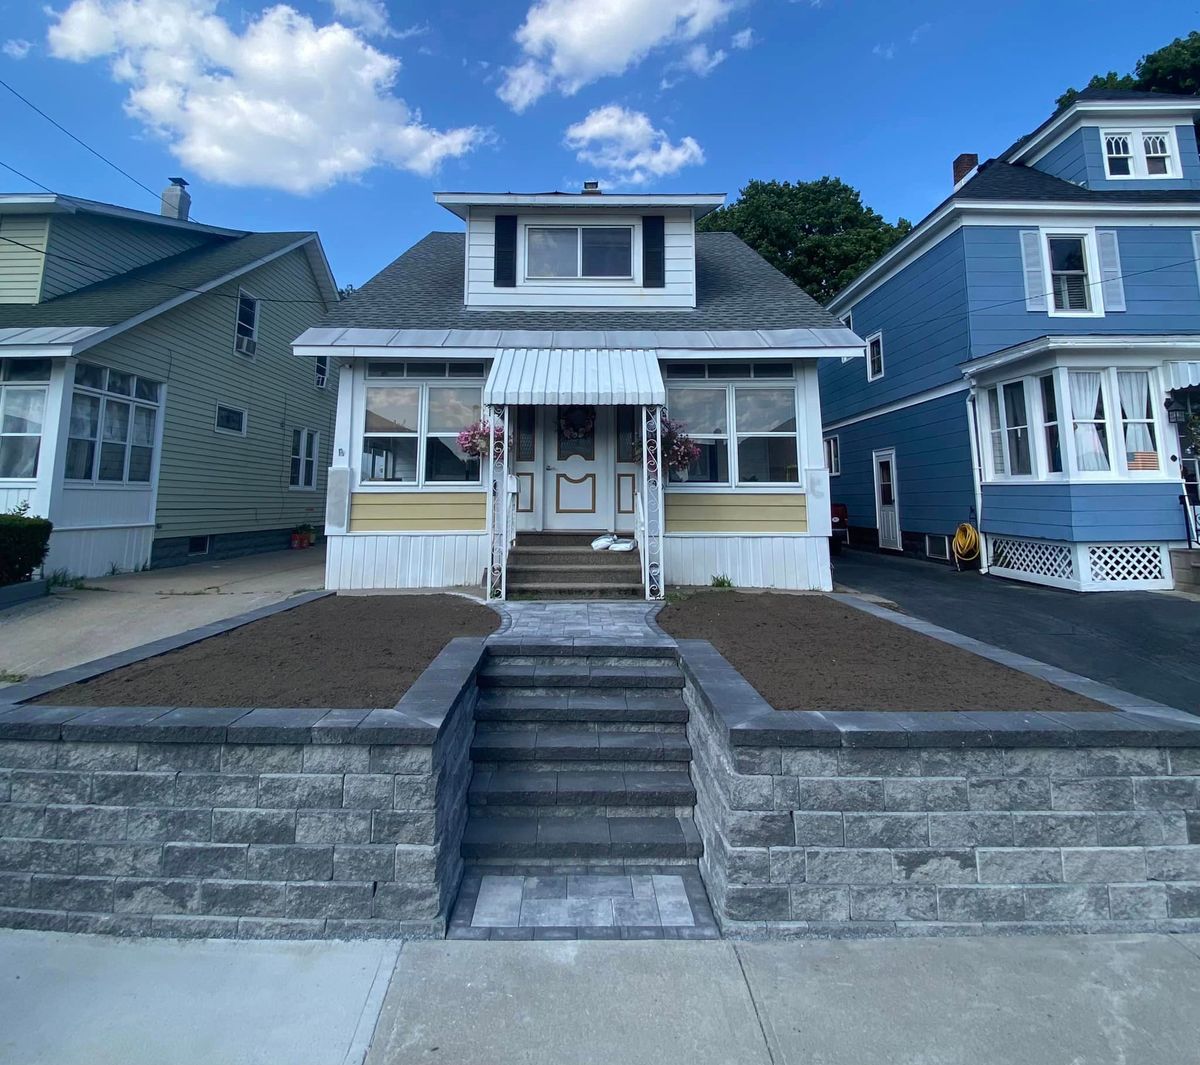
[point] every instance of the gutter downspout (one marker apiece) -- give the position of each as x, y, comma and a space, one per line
977, 473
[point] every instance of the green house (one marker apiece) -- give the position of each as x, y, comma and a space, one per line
150, 405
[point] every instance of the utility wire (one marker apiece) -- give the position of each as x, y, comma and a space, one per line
26, 177
82, 143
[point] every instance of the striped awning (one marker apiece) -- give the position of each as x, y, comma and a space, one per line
1182, 374
599, 376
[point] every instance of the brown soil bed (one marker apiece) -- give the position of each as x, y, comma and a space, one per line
807, 652
345, 651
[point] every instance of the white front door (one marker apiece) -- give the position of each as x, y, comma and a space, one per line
578, 468
887, 502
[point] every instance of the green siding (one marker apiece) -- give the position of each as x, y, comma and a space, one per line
21, 267
211, 482
86, 248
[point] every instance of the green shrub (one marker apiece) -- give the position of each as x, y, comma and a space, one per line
24, 542
720, 580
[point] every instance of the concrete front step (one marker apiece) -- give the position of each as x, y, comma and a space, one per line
605, 788
515, 839
538, 743
576, 540
507, 646
578, 675
573, 573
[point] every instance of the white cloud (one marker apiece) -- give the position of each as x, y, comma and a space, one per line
919, 32
570, 43
884, 51
744, 39
16, 48
371, 16
625, 145
284, 103
696, 60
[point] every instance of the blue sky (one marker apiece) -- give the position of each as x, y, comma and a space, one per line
345, 115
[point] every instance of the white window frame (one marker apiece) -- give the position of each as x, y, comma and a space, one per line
104, 397
38, 385
631, 279
876, 336
1095, 288
732, 436
945, 557
411, 379
218, 428
309, 483
833, 455
321, 369
237, 322
1137, 152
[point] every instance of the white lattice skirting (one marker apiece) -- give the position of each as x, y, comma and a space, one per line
1082, 567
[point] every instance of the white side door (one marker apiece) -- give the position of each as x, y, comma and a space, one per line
887, 499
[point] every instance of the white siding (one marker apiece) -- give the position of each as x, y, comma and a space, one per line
98, 552
797, 562
405, 560
680, 245
21, 263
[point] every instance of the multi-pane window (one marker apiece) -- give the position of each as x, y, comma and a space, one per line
410, 429
1139, 153
1054, 462
1069, 273
996, 433
1016, 430
1088, 426
113, 426
246, 328
322, 368
833, 455
230, 420
578, 251
704, 414
875, 357
303, 472
22, 415
1137, 420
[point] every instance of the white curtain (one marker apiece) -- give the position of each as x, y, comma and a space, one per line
1085, 396
1135, 403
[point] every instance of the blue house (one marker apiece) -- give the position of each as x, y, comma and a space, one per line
1032, 348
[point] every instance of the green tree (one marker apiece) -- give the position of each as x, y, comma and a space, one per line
818, 233
1174, 69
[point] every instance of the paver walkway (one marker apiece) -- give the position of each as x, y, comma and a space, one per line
561, 620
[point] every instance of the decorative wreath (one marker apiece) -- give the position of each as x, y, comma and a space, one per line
576, 423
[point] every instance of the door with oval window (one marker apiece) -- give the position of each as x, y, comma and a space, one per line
579, 466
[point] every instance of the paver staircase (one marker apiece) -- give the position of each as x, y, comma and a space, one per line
581, 755
563, 565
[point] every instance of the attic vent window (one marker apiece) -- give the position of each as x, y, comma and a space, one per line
556, 252
1139, 153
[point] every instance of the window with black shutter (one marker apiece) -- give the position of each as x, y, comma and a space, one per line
654, 270
504, 270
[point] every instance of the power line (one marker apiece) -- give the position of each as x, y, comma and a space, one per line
82, 143
26, 177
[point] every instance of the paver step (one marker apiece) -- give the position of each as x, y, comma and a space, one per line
522, 838
507, 646
579, 675
531, 788
575, 572
564, 590
563, 744
575, 540
570, 556
651, 706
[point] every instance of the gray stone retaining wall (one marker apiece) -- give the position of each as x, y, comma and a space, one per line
248, 823
845, 824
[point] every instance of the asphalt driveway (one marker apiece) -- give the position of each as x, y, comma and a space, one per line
1147, 643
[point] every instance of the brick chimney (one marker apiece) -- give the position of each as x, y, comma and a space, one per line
176, 203
964, 164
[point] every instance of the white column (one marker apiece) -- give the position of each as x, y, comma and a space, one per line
652, 503
47, 497
340, 475
496, 473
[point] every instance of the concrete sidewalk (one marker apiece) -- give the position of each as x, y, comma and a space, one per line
112, 614
1070, 1000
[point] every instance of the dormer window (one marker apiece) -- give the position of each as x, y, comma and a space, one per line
555, 252
1139, 153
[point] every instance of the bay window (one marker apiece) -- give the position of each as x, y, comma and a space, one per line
22, 414
1054, 462
410, 429
1137, 420
113, 427
1088, 425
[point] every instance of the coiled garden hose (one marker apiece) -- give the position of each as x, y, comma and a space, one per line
966, 543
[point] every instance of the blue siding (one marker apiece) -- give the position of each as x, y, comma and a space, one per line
1084, 512
1067, 160
933, 466
1097, 178
923, 314
1162, 293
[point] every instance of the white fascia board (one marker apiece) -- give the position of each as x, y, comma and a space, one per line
901, 404
36, 351
366, 351
321, 269
460, 203
1149, 345
1073, 117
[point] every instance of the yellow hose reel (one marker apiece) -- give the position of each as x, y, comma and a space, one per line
965, 543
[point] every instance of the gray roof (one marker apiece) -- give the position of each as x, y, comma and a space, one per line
1016, 183
127, 295
736, 289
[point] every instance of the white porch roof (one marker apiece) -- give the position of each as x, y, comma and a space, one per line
599, 376
1182, 374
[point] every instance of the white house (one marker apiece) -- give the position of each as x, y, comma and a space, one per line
578, 321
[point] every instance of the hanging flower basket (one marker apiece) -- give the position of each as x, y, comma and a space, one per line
679, 450
576, 423
476, 439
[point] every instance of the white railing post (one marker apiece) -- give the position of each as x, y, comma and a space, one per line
652, 502
497, 504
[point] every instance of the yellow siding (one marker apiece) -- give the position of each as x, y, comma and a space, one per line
733, 512
417, 511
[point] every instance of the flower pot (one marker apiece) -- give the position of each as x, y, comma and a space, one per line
297, 541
